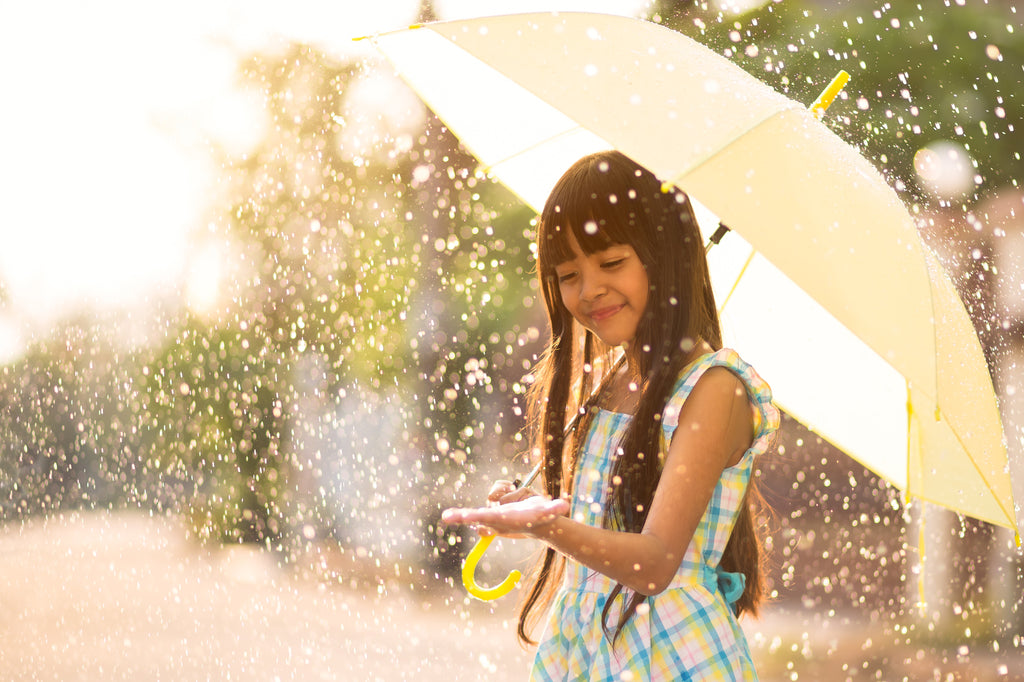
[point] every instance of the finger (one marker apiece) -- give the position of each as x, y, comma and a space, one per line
549, 510
499, 489
454, 516
469, 517
553, 508
517, 495
484, 531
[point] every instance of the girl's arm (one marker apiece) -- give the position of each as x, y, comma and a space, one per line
715, 429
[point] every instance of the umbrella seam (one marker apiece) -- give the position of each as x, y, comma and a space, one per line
910, 447
733, 138
735, 284
946, 507
675, 180
576, 127
1012, 518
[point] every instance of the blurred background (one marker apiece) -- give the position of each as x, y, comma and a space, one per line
262, 318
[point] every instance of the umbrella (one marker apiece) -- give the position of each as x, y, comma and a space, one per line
825, 284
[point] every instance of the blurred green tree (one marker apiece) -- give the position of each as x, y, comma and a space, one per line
67, 423
355, 269
316, 262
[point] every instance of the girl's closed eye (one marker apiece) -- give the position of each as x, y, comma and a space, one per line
613, 263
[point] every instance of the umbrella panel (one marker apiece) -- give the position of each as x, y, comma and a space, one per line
536, 142
820, 373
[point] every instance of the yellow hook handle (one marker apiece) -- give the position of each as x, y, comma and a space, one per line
473, 558
469, 569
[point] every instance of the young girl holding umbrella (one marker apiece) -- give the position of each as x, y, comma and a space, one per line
648, 432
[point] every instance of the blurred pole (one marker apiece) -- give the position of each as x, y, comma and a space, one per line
937, 585
1005, 213
1005, 584
931, 590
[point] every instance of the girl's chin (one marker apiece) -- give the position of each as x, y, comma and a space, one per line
612, 341
611, 335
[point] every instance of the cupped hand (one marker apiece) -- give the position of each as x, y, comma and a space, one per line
526, 516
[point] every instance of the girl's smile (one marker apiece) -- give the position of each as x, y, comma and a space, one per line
605, 291
604, 313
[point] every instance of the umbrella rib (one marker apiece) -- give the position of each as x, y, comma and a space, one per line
935, 333
922, 495
736, 283
536, 145
912, 415
676, 179
1008, 523
1010, 517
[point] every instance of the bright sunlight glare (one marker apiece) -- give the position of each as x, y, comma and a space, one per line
114, 110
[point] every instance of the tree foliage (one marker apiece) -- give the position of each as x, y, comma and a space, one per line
920, 72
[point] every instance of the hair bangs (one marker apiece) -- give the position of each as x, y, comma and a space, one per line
598, 204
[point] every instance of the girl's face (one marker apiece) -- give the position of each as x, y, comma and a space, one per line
606, 292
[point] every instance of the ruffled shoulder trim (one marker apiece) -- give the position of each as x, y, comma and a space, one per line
766, 414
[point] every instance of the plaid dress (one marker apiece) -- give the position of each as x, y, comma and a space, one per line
688, 632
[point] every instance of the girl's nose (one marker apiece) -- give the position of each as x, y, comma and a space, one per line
592, 288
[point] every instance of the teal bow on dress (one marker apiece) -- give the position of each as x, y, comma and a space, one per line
730, 584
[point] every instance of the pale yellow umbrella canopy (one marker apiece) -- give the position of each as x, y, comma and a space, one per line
826, 288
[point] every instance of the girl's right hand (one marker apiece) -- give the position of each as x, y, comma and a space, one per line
505, 492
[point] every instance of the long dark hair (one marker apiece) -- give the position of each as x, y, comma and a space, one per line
602, 200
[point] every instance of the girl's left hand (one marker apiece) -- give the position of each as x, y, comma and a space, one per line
525, 516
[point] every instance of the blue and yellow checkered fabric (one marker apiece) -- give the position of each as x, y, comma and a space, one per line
688, 632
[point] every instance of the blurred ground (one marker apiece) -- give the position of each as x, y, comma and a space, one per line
124, 596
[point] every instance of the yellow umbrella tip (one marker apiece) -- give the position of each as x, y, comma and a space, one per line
830, 93
411, 26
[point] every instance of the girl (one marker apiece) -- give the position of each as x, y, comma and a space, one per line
651, 429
